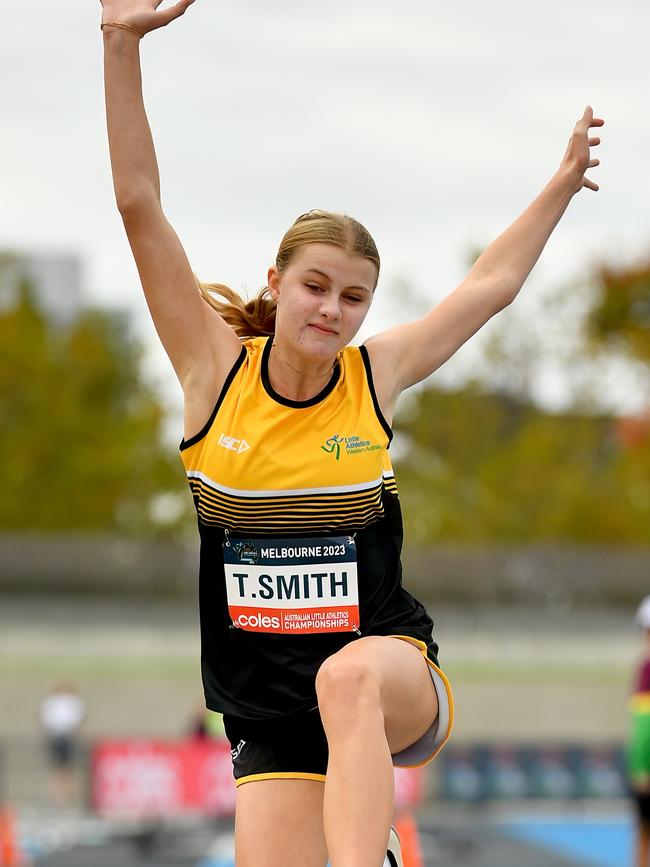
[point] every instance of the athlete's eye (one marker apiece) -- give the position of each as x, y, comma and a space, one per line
314, 286
354, 298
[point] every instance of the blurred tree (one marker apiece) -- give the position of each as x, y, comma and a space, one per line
619, 324
486, 461
620, 316
80, 430
480, 466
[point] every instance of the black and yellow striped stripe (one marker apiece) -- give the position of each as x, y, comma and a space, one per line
295, 511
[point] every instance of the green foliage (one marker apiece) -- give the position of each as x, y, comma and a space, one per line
620, 318
484, 462
80, 431
479, 466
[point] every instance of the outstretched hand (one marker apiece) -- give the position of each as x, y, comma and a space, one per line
578, 153
143, 15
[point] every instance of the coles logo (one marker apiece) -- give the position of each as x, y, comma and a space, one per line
257, 621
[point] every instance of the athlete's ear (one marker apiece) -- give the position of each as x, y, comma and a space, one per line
273, 281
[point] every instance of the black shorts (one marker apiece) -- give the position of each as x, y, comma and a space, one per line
295, 746
61, 751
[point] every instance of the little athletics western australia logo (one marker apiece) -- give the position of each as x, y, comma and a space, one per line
352, 445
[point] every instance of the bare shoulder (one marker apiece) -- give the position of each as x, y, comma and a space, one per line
383, 373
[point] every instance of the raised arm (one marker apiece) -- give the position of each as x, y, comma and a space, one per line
200, 345
407, 354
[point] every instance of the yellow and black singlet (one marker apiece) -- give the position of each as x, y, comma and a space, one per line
301, 534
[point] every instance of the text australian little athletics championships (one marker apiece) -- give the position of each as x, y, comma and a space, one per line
295, 622
317, 620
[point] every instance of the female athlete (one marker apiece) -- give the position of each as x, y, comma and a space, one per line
323, 665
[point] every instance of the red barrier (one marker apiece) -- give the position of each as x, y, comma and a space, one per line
136, 779
161, 778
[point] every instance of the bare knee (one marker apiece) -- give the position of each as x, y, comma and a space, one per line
345, 687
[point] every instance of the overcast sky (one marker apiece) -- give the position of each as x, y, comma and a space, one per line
434, 124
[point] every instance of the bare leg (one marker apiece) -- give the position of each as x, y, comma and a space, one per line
359, 788
375, 698
280, 823
62, 784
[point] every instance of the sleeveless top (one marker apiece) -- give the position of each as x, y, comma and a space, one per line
301, 534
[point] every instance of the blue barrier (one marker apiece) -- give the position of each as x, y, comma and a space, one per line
483, 772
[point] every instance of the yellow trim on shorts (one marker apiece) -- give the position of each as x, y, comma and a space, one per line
450, 698
280, 775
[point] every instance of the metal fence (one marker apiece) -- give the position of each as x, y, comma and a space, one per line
548, 574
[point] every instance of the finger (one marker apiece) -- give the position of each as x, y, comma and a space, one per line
593, 163
582, 126
594, 141
175, 11
590, 185
588, 120
182, 6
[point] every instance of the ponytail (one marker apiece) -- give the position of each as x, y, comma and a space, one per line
254, 318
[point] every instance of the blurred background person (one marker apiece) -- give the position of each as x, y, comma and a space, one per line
62, 713
639, 744
205, 724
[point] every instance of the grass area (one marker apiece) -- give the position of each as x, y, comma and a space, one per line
59, 666
513, 671
505, 671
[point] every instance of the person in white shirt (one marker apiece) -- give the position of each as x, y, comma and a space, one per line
62, 713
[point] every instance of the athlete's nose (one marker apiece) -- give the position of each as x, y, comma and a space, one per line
330, 306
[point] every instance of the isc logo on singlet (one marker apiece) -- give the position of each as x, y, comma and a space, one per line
233, 444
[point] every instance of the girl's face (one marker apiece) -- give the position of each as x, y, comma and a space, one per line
323, 296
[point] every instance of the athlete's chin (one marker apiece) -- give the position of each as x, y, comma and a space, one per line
322, 343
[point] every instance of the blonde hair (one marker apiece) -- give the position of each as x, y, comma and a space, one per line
257, 317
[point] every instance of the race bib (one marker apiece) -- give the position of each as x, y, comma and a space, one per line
292, 586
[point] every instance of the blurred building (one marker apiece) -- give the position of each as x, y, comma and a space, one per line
55, 278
